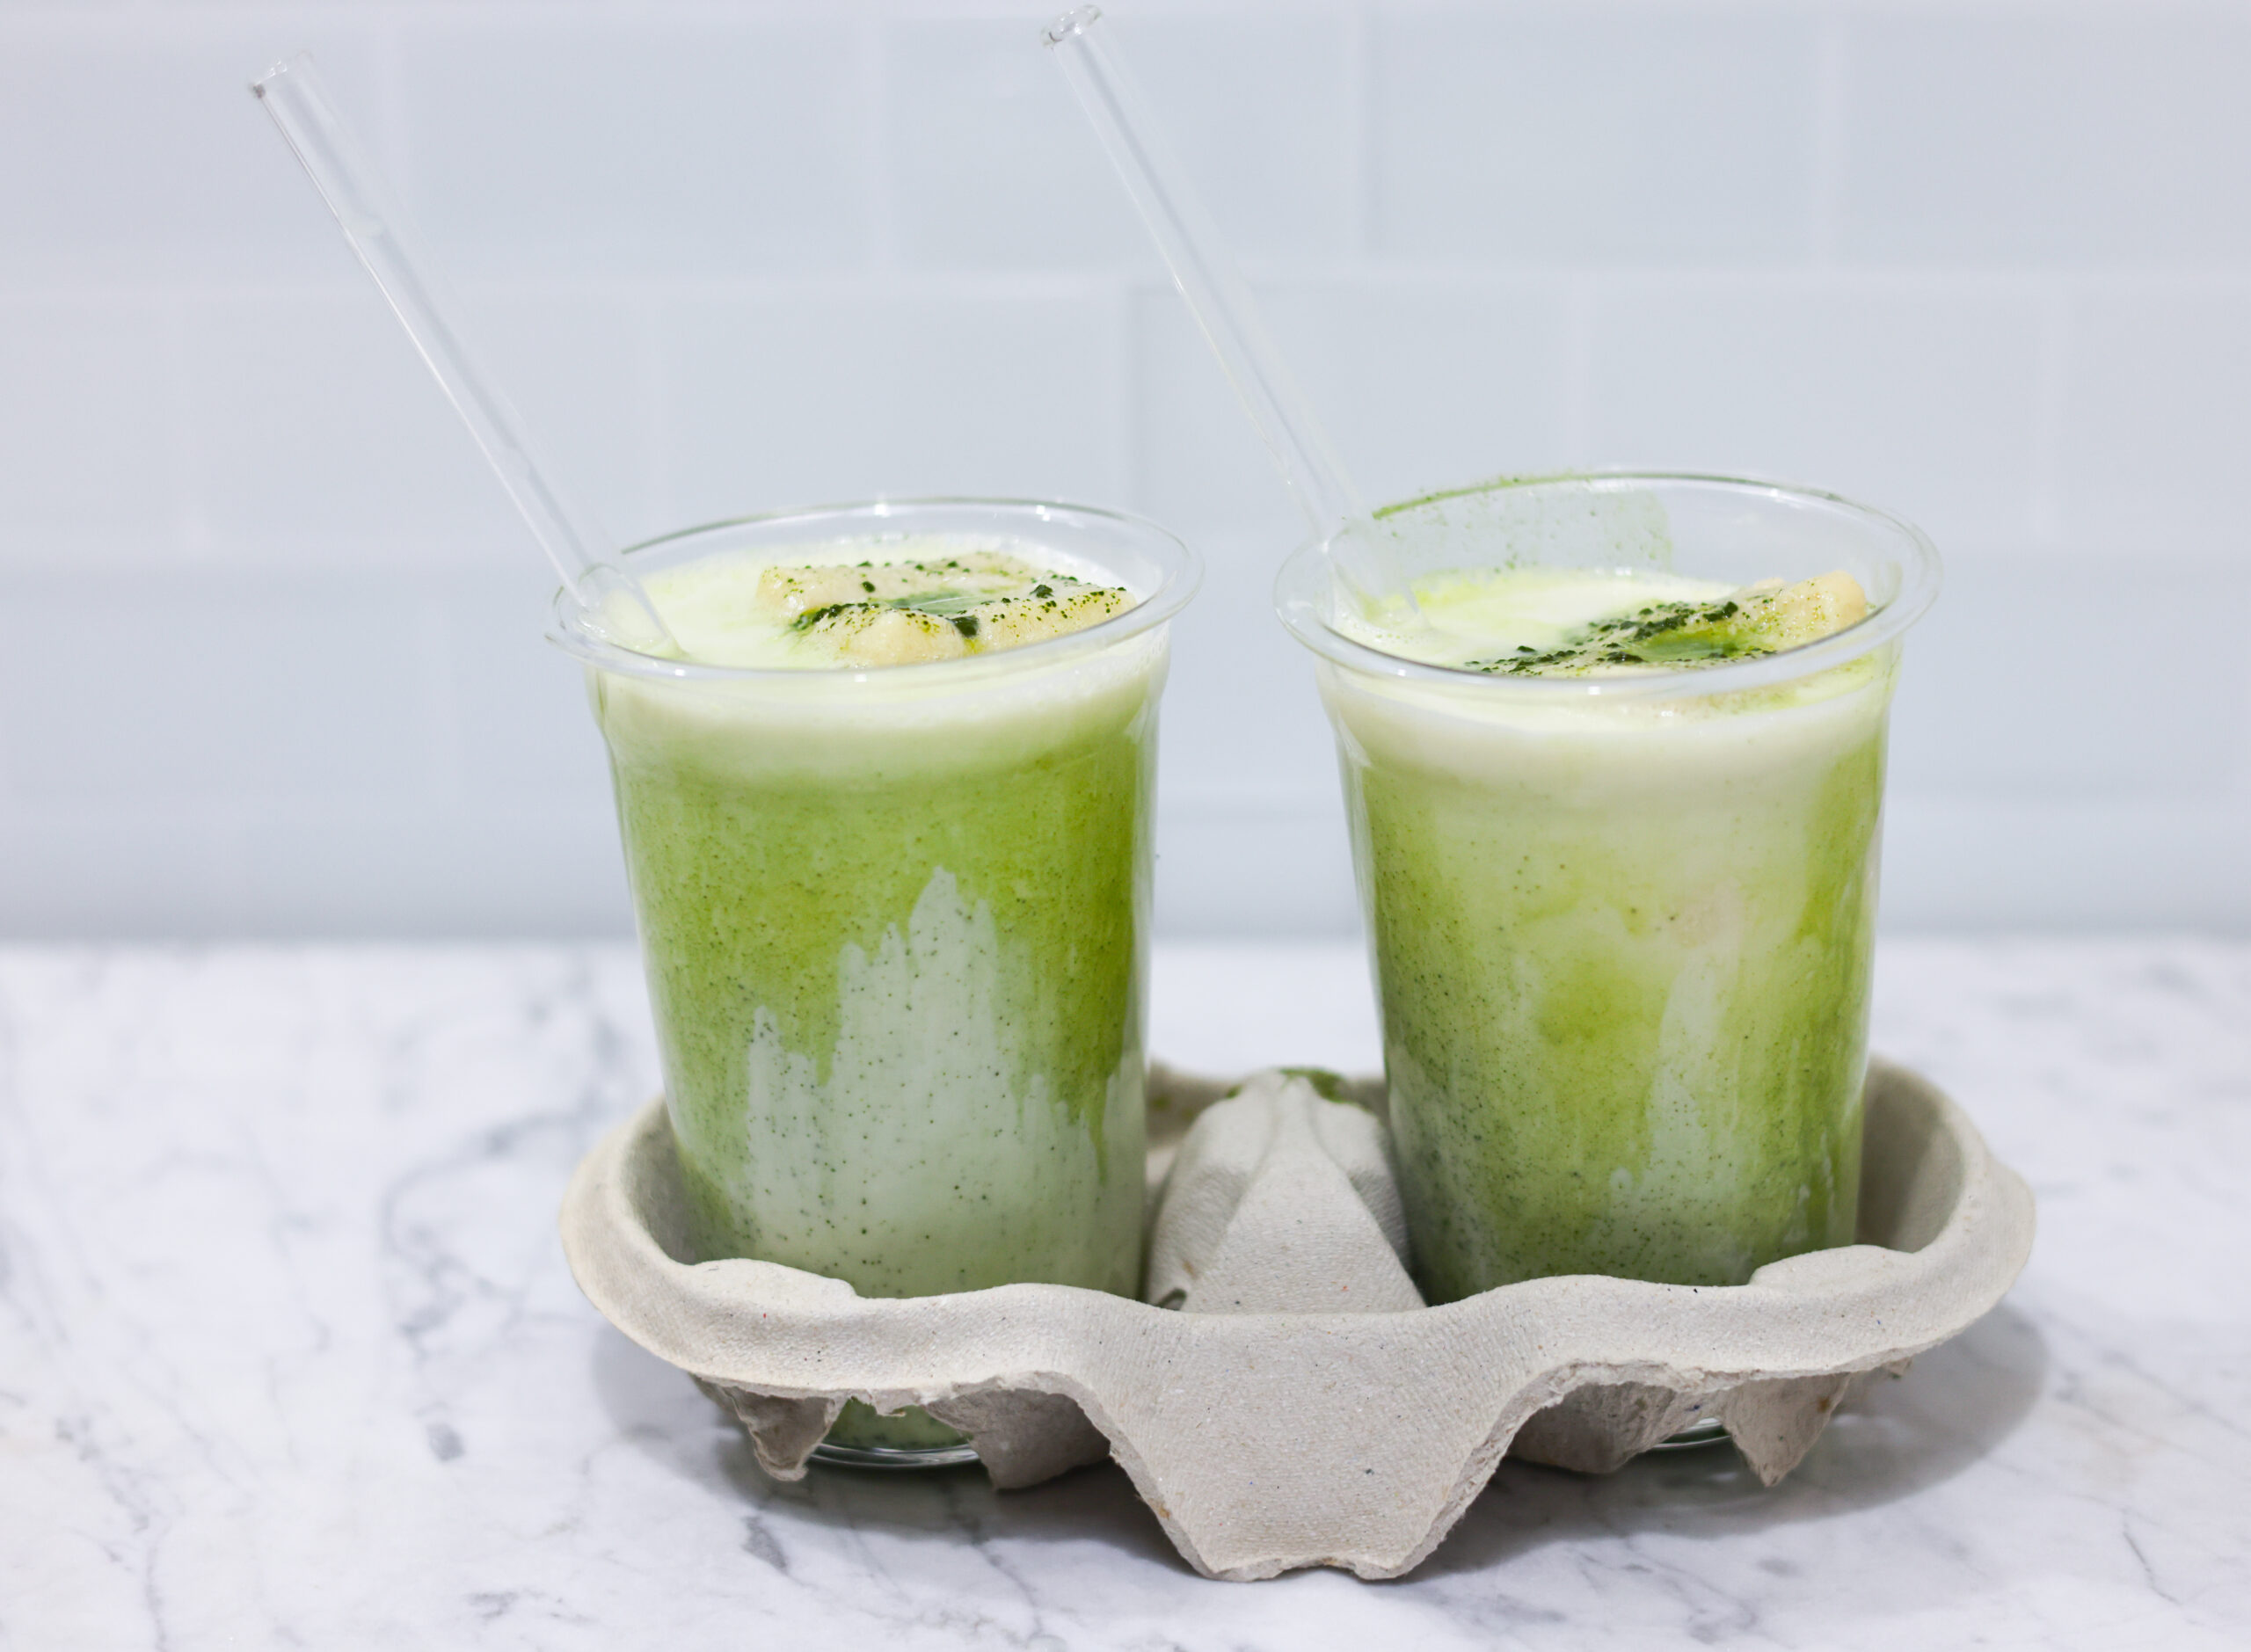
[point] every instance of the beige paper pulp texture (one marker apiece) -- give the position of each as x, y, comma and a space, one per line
1303, 1408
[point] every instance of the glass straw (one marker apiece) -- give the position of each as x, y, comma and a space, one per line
378, 228
1224, 309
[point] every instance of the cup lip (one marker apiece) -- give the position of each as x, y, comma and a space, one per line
1182, 572
1303, 584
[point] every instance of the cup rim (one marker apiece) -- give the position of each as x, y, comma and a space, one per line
1181, 573
1303, 586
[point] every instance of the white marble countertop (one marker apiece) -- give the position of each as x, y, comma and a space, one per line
289, 1357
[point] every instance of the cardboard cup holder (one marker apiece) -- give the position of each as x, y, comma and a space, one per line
1284, 1399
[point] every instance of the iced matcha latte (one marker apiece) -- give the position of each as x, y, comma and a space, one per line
887, 830
1614, 791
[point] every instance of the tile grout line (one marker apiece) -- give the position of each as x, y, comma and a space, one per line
437, 625
1828, 141
1359, 181
2051, 389
191, 517
876, 134
998, 281
646, 318
1131, 462
393, 151
1065, 282
1579, 300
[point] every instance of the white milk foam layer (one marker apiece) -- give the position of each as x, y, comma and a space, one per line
1582, 749
1010, 704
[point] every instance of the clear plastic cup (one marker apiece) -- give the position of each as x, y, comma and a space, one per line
1621, 927
895, 923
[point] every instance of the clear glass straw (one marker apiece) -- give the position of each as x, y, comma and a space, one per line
1224, 309
379, 231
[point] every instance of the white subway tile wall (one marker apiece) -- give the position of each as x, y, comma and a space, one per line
274, 663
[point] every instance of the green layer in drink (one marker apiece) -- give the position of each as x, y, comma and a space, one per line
1623, 945
893, 924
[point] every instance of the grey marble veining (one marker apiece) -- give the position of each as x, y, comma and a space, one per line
288, 1356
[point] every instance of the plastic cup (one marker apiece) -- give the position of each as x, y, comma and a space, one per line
895, 925
1621, 927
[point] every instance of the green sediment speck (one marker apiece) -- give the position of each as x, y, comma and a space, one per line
957, 600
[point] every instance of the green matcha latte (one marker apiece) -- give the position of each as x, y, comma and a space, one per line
1615, 825
887, 830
